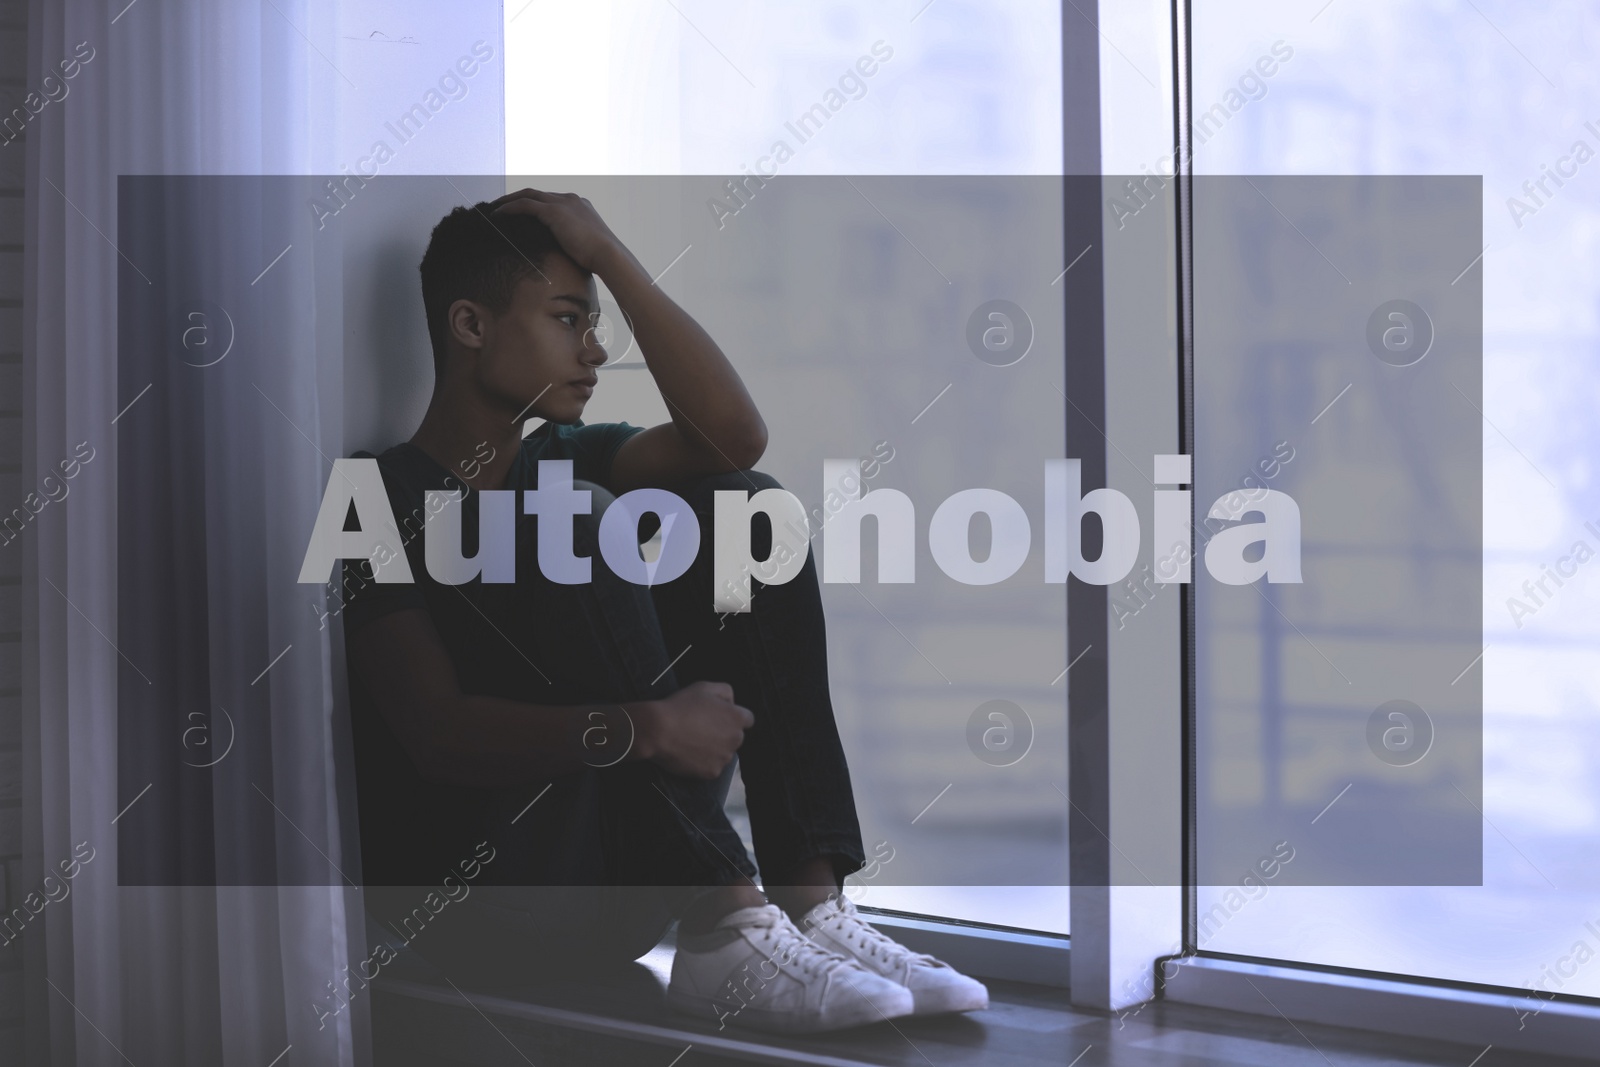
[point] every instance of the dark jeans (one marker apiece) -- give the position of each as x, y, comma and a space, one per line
604, 860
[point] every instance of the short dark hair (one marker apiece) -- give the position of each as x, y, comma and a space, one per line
472, 256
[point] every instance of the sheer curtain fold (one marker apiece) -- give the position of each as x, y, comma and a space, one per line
190, 974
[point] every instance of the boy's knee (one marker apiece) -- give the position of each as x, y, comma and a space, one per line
586, 527
600, 498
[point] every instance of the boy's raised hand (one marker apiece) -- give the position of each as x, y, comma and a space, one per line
715, 426
575, 224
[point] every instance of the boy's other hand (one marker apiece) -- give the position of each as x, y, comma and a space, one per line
696, 731
573, 221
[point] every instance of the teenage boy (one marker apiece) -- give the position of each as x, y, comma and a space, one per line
580, 734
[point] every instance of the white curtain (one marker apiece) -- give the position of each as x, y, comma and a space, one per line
173, 974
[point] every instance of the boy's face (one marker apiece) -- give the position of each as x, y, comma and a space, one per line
541, 350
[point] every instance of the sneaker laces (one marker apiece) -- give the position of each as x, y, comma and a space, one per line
787, 945
843, 921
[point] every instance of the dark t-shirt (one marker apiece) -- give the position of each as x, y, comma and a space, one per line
413, 832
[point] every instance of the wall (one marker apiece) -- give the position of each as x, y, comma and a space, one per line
395, 55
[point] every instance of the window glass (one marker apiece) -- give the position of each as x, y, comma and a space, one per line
1509, 92
956, 87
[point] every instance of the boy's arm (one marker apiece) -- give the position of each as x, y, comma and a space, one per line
456, 738
715, 426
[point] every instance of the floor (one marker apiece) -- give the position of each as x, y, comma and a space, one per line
423, 1016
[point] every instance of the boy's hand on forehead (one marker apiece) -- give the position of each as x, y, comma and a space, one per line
715, 426
573, 221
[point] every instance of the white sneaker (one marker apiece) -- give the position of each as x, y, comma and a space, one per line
756, 969
935, 986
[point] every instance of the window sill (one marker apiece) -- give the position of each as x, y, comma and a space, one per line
1413, 1007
